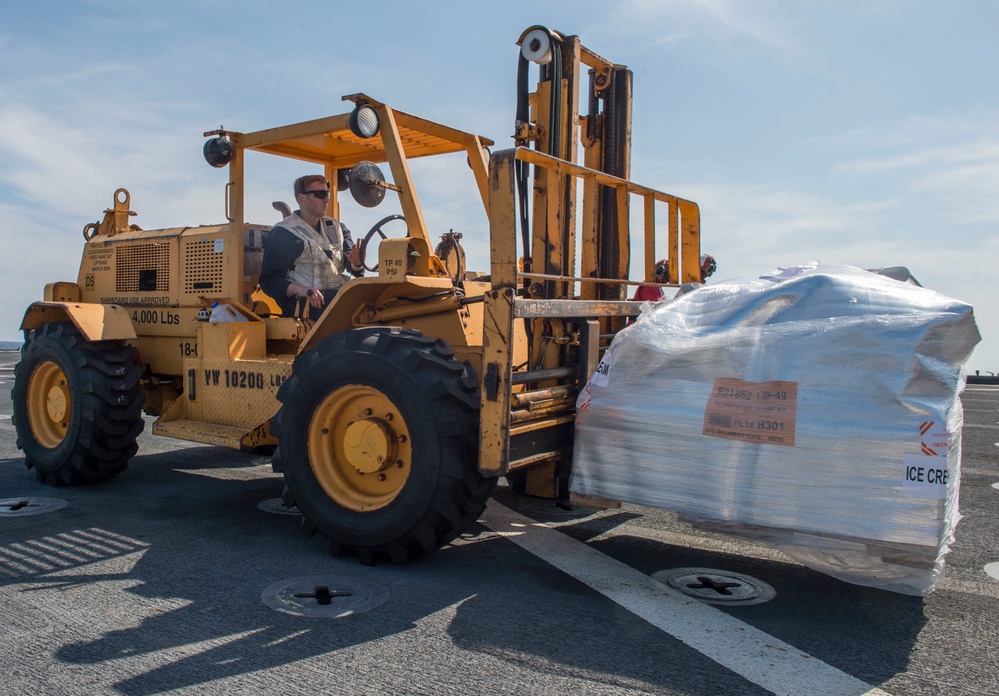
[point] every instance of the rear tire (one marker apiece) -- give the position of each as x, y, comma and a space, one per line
378, 443
77, 406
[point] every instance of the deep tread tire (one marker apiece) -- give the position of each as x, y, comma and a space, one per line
437, 399
103, 417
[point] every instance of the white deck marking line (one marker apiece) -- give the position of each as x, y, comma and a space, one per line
758, 657
981, 425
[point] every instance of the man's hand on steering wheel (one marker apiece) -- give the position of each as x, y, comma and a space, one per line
354, 257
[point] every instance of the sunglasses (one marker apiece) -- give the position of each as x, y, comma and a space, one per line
321, 194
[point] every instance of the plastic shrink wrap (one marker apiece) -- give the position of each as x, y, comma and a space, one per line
816, 409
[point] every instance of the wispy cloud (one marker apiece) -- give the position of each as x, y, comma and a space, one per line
953, 158
977, 152
48, 154
675, 20
759, 225
968, 189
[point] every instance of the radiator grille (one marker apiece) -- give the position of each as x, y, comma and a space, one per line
202, 267
142, 268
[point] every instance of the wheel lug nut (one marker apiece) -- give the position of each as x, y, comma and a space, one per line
381, 477
367, 411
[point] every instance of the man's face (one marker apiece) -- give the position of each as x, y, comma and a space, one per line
311, 204
662, 272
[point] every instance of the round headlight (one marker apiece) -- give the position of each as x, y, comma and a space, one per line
363, 121
218, 152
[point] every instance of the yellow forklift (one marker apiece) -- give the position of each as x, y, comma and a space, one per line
394, 414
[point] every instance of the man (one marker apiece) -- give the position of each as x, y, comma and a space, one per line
307, 253
650, 293
708, 267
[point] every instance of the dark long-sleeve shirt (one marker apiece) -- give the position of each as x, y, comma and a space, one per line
281, 250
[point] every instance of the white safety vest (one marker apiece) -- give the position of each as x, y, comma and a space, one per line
314, 268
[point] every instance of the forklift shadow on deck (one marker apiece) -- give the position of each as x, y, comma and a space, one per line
203, 553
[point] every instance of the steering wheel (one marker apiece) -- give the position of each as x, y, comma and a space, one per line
371, 233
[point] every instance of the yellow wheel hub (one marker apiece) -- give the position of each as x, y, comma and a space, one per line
359, 448
49, 404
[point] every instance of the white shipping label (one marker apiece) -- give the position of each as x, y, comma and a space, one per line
924, 476
602, 375
219, 246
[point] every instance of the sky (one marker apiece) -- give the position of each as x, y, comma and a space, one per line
860, 132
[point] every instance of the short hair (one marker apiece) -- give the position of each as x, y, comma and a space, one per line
303, 181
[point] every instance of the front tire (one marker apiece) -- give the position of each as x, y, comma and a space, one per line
77, 405
378, 443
